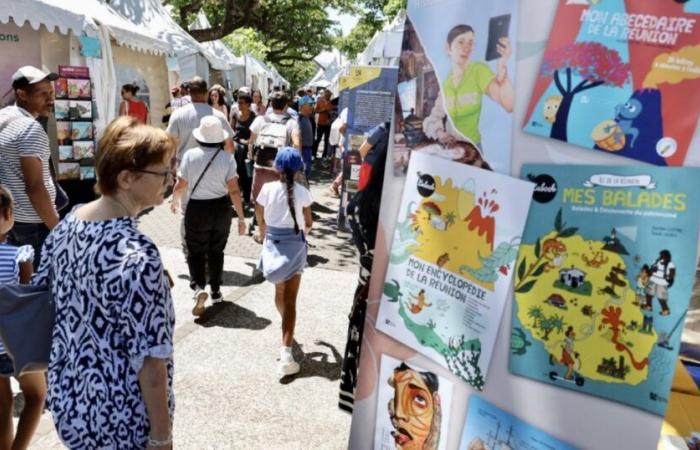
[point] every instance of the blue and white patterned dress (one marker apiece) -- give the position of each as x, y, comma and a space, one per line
113, 309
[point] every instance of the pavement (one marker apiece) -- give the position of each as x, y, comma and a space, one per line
227, 393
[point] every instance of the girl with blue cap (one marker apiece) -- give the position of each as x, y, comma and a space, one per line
283, 205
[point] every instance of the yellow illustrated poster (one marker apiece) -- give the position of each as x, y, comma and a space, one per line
451, 263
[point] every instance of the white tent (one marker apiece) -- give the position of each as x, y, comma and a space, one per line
331, 63
97, 19
258, 75
384, 49
193, 57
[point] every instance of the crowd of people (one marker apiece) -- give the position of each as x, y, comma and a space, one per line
110, 290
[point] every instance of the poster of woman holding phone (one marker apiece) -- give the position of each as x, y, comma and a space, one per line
466, 84
471, 47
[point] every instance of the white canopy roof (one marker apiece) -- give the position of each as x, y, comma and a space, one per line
151, 15
331, 65
78, 17
216, 47
385, 47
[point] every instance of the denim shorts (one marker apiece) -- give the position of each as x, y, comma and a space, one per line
7, 366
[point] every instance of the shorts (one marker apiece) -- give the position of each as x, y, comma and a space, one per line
657, 290
7, 366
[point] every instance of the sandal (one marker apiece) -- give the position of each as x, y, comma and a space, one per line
257, 239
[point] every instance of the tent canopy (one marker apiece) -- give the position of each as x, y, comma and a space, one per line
80, 17
384, 49
151, 15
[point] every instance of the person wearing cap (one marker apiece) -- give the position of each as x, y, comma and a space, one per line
24, 152
208, 175
284, 206
306, 110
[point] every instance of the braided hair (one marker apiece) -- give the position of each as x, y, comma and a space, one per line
289, 180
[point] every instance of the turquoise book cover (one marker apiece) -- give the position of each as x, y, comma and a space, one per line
603, 279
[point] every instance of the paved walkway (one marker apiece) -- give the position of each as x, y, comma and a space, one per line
227, 393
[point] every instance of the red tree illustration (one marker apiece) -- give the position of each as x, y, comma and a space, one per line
594, 62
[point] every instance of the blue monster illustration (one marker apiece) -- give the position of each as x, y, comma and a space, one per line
625, 115
642, 123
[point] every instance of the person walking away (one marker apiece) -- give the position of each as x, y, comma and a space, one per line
306, 109
323, 124
259, 107
209, 176
132, 106
337, 142
268, 134
25, 158
16, 267
241, 123
217, 99
185, 93
184, 120
111, 377
283, 205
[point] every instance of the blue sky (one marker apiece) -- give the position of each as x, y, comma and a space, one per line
347, 21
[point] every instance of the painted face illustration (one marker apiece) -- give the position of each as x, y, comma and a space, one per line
412, 409
551, 106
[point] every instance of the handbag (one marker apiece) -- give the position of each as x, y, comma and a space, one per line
27, 315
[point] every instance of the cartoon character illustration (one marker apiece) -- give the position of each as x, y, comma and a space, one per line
553, 251
519, 342
550, 108
569, 358
663, 273
625, 116
393, 291
420, 302
642, 282
443, 259
491, 266
415, 410
596, 259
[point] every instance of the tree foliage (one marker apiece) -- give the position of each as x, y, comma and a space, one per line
286, 33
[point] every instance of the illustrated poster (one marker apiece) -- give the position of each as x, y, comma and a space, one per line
621, 77
413, 407
451, 262
456, 82
489, 427
604, 277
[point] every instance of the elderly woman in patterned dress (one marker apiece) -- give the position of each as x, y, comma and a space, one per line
110, 372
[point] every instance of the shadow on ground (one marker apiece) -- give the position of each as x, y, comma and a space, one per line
316, 364
231, 315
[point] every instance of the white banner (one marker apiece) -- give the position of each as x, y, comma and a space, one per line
18, 47
616, 181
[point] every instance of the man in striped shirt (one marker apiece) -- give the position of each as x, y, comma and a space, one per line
24, 158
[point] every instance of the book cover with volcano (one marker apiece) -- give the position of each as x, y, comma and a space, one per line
621, 77
451, 262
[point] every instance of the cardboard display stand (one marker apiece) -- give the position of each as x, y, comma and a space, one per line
580, 420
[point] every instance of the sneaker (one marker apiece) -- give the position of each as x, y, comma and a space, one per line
200, 297
216, 297
287, 366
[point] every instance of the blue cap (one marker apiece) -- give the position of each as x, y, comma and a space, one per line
306, 100
288, 158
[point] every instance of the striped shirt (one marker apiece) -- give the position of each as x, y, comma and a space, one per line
186, 118
21, 136
10, 259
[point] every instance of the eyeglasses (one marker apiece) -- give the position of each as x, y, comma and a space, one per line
167, 175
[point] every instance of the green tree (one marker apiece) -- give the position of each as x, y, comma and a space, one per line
535, 313
372, 19
551, 323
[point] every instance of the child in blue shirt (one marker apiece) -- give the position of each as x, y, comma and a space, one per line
16, 267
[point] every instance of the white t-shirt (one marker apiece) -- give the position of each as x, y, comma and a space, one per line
658, 277
186, 118
335, 137
273, 197
214, 183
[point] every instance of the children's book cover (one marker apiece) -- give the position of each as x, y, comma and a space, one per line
413, 407
604, 276
621, 77
488, 427
457, 82
451, 262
